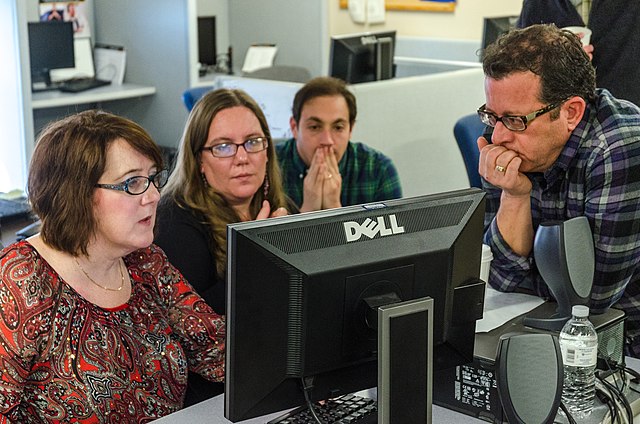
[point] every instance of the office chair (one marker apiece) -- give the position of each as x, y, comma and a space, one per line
281, 73
529, 374
466, 131
192, 95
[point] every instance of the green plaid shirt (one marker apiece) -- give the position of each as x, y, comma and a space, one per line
367, 175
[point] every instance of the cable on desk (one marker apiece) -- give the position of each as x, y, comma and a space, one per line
606, 398
618, 397
307, 386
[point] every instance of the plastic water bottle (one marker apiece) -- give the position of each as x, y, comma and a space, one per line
579, 346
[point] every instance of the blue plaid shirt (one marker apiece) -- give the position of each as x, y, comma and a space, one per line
367, 175
597, 175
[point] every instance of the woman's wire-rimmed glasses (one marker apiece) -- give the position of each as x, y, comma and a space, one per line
227, 150
139, 184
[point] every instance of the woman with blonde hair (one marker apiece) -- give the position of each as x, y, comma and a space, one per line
226, 171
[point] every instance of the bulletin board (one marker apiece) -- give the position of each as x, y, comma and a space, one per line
420, 5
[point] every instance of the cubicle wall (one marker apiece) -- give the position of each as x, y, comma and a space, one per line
411, 120
422, 55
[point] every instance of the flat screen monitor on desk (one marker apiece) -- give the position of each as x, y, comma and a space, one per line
207, 41
84, 66
363, 57
303, 291
495, 27
50, 47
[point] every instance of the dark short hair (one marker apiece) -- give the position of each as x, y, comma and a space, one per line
68, 160
555, 55
324, 86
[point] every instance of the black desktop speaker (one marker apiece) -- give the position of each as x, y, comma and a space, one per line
565, 257
529, 375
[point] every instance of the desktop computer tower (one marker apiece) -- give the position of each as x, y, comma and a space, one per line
472, 388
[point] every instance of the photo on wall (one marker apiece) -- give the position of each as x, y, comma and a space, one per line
67, 11
416, 5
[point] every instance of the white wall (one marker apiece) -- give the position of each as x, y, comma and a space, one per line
465, 22
157, 36
297, 27
12, 110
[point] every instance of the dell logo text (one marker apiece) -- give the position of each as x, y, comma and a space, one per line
370, 228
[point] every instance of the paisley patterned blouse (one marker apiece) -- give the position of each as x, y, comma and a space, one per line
64, 359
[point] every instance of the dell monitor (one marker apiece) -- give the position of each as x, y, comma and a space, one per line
51, 47
303, 293
495, 27
207, 41
363, 57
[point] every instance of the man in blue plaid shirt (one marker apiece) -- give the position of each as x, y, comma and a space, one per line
560, 149
321, 167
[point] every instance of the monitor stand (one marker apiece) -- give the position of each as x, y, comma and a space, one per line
46, 84
405, 362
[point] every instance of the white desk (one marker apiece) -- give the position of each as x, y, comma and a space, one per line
54, 98
212, 412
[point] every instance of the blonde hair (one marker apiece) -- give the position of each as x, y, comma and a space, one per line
187, 187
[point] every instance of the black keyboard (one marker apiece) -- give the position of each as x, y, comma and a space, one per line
341, 410
81, 84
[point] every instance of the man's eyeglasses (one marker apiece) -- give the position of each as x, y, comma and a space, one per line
139, 184
226, 150
514, 122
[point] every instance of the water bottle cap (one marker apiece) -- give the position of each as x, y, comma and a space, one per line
580, 311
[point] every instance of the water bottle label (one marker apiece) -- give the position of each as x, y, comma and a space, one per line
579, 356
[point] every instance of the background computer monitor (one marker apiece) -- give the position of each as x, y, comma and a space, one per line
84, 65
363, 57
207, 40
303, 292
495, 27
50, 47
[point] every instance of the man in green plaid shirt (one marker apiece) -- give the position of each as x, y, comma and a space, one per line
321, 167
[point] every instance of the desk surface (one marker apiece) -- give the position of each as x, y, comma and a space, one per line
54, 98
212, 412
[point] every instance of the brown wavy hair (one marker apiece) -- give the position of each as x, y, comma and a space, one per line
555, 55
187, 188
68, 160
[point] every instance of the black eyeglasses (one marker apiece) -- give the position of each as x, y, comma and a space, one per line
226, 150
139, 184
513, 122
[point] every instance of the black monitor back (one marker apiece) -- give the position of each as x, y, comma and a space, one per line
298, 289
495, 27
363, 57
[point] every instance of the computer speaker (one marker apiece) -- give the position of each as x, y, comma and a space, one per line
564, 254
529, 375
